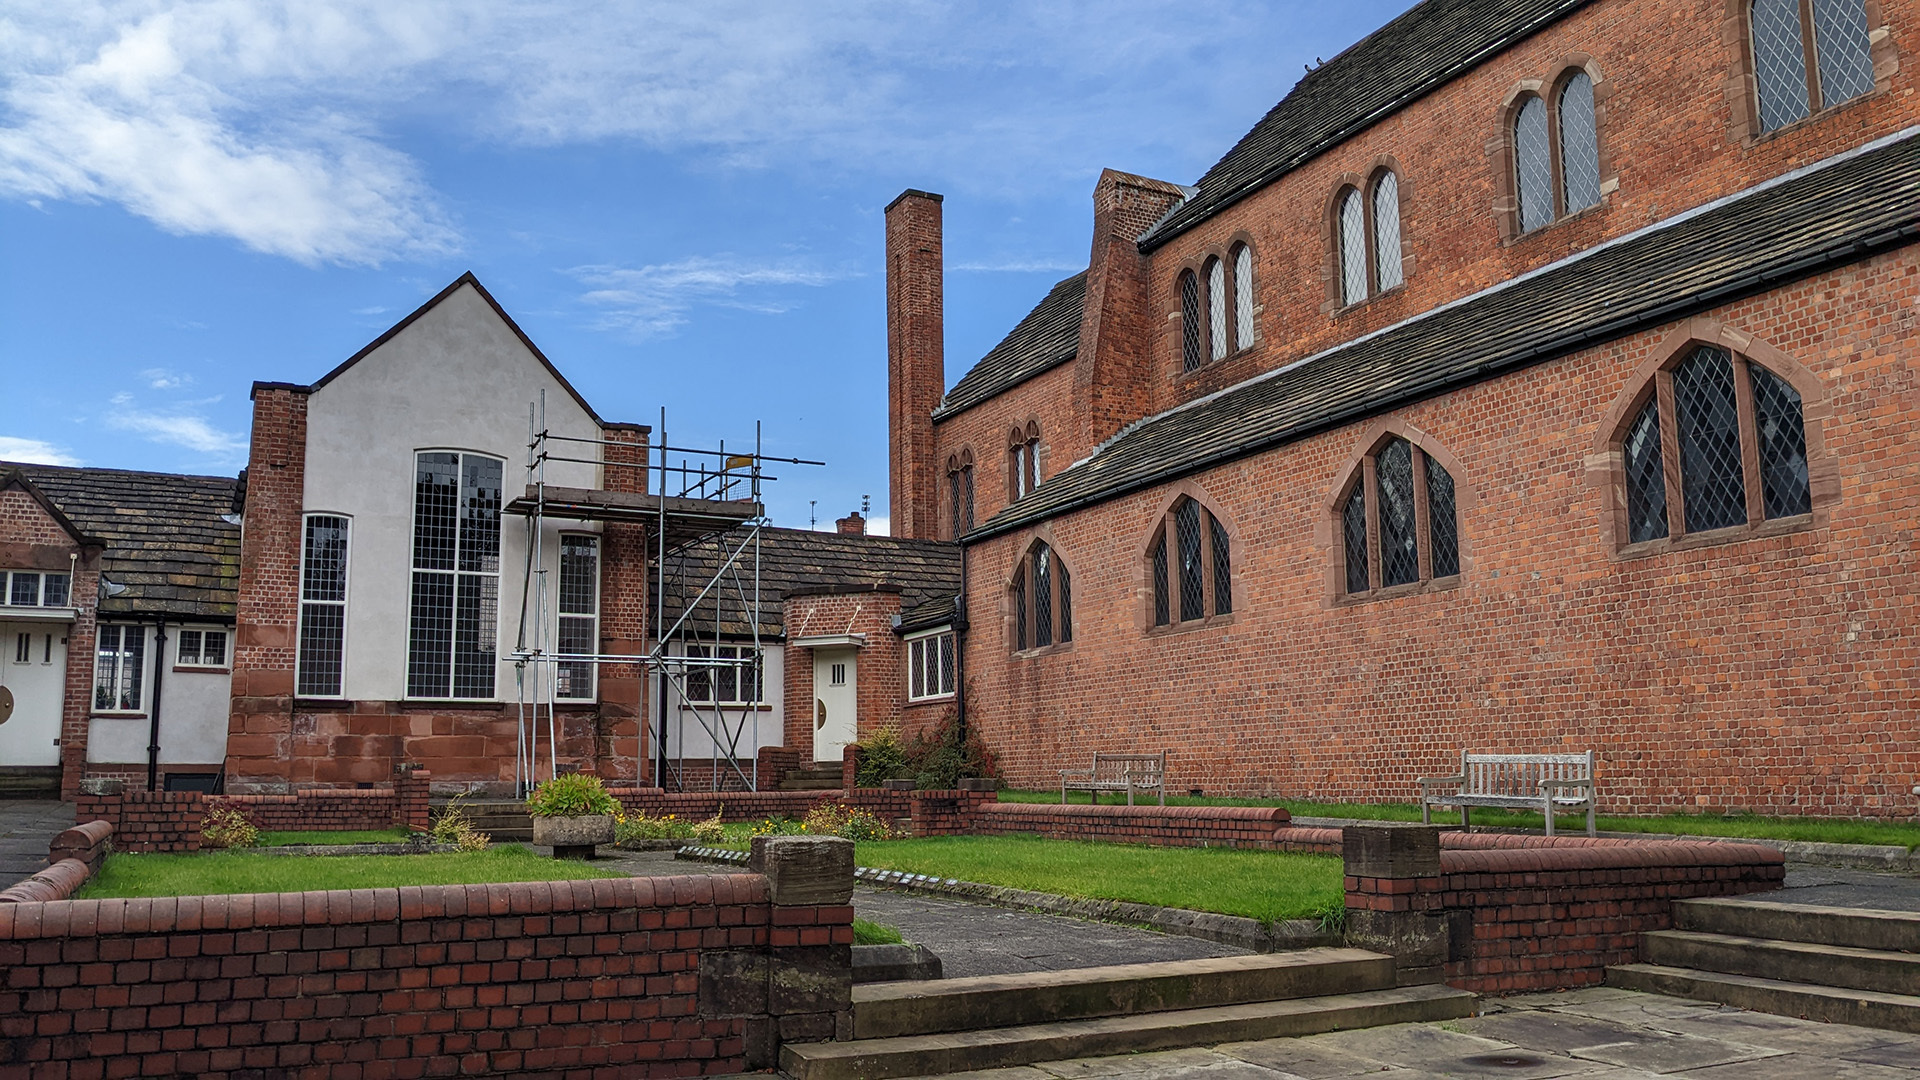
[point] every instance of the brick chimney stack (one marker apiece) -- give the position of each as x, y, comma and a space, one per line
916, 362
853, 524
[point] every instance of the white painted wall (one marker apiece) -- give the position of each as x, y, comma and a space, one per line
193, 710
687, 737
457, 378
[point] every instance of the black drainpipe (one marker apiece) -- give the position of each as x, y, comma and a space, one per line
153, 714
960, 649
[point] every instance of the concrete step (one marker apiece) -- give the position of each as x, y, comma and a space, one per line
1852, 928
1830, 1004
989, 1001
29, 782
925, 1055
1787, 961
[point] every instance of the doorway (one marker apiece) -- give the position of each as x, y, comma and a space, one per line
33, 669
835, 701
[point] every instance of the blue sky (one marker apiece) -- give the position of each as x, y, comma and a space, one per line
681, 203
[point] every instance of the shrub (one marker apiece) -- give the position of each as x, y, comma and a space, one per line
846, 822
573, 795
944, 756
453, 826
883, 756
226, 827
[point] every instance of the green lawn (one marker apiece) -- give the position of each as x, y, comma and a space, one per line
873, 933
361, 836
208, 873
1262, 885
1824, 830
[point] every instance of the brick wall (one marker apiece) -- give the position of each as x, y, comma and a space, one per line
146, 821
1161, 826
624, 605
1772, 673
32, 539
170, 820
260, 751
639, 976
1510, 914
880, 690
915, 362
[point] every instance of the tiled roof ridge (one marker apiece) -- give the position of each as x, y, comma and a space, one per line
1042, 507
103, 469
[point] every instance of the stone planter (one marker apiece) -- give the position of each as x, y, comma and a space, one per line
573, 837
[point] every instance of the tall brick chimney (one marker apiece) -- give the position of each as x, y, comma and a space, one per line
916, 362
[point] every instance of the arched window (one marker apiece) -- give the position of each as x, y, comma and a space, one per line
1216, 308
1742, 456
960, 492
1192, 334
1398, 521
1242, 296
1369, 238
1556, 153
1533, 164
1807, 51
1042, 600
1579, 145
1023, 460
1191, 565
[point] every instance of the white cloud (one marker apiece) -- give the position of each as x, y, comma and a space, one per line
880, 526
655, 299
33, 452
177, 429
163, 379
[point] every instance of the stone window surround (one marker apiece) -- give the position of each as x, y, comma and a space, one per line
1335, 304
1742, 87
1500, 148
1196, 265
960, 470
1041, 534
1143, 563
1329, 529
1606, 466
1023, 451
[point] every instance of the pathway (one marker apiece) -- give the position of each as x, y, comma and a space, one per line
26, 827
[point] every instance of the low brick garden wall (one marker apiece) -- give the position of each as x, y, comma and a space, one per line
1507, 914
1168, 826
148, 821
643, 976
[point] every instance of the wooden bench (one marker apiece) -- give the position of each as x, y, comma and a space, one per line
1118, 772
1544, 782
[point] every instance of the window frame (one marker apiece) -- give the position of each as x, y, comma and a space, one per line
1023, 606
710, 698
1023, 461
946, 659
960, 494
1504, 154
560, 615
1209, 315
1365, 189
120, 670
414, 571
1652, 382
1165, 528
1361, 473
1872, 14
301, 603
199, 661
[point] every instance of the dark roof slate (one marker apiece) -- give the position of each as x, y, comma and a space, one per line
1048, 337
164, 535
793, 559
1396, 64
1832, 214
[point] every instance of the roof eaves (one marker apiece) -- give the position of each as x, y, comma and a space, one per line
14, 476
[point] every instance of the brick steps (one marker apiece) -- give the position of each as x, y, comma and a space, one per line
505, 820
813, 778
1841, 965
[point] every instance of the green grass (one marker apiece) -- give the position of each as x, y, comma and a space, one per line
1264, 885
1752, 826
209, 873
873, 933
360, 836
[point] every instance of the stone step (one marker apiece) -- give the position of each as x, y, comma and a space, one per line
791, 783
1853, 928
1787, 961
1829, 1004
990, 1001
963, 1051
30, 782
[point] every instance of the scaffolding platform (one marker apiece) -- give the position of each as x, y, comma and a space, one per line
686, 519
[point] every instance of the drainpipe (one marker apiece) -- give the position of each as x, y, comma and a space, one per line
153, 714
960, 649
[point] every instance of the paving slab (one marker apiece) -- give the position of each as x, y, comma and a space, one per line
1446, 1049
26, 825
1791, 1033
1844, 888
1799, 1067
1672, 1053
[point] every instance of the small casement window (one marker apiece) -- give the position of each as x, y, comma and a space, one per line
321, 655
1023, 460
1367, 236
960, 492
1397, 521
119, 664
1556, 154
731, 675
1042, 600
202, 648
930, 666
31, 588
579, 613
1807, 51
453, 629
1216, 308
1191, 566
1739, 436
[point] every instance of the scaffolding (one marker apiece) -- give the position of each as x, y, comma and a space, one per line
704, 517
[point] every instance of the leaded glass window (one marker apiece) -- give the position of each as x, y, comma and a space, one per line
1042, 597
120, 660
1646, 477
1217, 307
1162, 613
1842, 50
1399, 551
1199, 582
930, 666
1442, 526
1063, 602
1386, 231
1533, 165
1779, 62
1042, 588
1222, 567
321, 656
1353, 520
1243, 297
1191, 352
1353, 247
1393, 498
1712, 482
1777, 418
453, 611
579, 604
1579, 145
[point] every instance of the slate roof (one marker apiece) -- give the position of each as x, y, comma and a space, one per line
1048, 337
166, 541
790, 559
1396, 64
1837, 212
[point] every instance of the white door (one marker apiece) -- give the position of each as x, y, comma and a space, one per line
33, 668
835, 720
